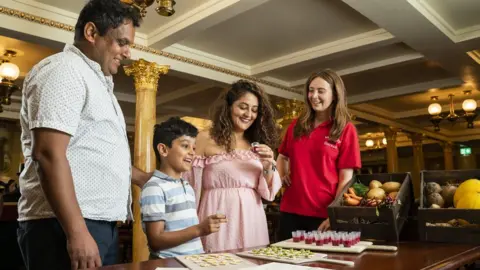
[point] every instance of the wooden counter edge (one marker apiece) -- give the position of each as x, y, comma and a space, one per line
457, 261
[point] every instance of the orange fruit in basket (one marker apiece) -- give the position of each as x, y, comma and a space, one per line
471, 185
470, 200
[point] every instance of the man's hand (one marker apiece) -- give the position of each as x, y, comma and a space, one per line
83, 251
325, 226
140, 177
211, 224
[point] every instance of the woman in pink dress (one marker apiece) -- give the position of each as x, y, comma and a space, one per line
229, 175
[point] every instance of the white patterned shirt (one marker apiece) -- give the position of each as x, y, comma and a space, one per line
68, 92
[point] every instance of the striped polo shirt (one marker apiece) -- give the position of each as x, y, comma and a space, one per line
170, 200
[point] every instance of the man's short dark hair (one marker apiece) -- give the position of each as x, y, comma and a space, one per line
168, 131
106, 15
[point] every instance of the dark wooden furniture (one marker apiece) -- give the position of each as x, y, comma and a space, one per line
380, 224
467, 235
410, 255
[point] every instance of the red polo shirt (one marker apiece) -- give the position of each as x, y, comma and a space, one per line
314, 167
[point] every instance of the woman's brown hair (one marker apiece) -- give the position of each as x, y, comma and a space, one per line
262, 130
340, 115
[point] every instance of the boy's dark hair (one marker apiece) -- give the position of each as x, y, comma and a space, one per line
168, 131
105, 14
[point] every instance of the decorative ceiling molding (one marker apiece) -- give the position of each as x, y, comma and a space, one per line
384, 120
404, 90
456, 35
69, 28
202, 17
372, 38
369, 66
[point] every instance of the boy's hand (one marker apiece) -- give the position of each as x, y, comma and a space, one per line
211, 224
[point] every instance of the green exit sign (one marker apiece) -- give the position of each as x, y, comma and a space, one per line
465, 151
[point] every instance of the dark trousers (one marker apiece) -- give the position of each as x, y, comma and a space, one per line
44, 245
292, 222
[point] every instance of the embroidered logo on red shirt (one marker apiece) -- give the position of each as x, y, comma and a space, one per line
330, 144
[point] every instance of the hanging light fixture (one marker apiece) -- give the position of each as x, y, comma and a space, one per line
290, 109
469, 107
164, 8
434, 108
369, 143
9, 72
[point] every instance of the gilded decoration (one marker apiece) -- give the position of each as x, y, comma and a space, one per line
66, 27
145, 74
391, 133
290, 109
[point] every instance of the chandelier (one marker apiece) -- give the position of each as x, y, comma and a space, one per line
164, 8
469, 107
371, 143
290, 110
9, 72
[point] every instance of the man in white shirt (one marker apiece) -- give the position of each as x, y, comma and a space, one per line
77, 176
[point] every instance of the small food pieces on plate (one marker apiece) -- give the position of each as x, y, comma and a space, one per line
212, 260
281, 253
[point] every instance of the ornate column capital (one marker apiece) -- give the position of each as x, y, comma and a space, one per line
145, 74
447, 146
391, 133
417, 138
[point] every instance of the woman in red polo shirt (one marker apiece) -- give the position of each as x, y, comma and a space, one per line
317, 157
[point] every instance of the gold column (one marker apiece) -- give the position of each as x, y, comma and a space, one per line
392, 155
418, 161
448, 155
145, 76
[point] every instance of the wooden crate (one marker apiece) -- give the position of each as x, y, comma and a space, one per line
382, 224
470, 235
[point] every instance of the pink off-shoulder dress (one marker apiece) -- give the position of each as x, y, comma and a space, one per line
233, 184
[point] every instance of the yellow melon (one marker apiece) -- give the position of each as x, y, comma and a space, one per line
470, 200
471, 185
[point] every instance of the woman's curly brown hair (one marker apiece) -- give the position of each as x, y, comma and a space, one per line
263, 129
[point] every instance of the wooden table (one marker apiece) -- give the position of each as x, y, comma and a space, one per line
410, 256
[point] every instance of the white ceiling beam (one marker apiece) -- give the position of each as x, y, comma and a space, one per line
275, 80
466, 34
214, 75
403, 90
372, 65
183, 92
390, 122
351, 44
200, 18
207, 58
372, 109
410, 26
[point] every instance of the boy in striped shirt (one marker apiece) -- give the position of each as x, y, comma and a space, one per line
167, 201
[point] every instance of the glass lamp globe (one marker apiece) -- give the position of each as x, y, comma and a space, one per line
434, 109
384, 140
9, 71
369, 143
469, 105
